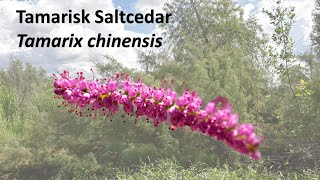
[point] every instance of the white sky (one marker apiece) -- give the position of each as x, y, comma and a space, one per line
76, 59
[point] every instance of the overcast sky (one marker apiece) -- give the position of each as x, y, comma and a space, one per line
76, 59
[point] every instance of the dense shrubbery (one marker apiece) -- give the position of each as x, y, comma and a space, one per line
41, 140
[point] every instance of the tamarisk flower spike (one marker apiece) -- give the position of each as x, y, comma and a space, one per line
159, 105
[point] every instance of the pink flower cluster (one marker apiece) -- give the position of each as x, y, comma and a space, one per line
160, 105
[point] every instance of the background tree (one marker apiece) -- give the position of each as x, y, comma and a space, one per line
315, 35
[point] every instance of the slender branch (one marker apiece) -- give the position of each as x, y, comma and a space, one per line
204, 33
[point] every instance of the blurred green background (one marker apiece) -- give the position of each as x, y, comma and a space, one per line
210, 48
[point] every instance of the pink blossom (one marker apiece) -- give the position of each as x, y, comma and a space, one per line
160, 105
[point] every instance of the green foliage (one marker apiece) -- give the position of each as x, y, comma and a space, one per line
282, 57
315, 35
282, 19
210, 55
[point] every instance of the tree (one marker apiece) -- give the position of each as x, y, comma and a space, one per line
282, 56
215, 51
315, 35
147, 61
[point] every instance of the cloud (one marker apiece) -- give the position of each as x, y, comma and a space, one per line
53, 59
248, 9
147, 5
